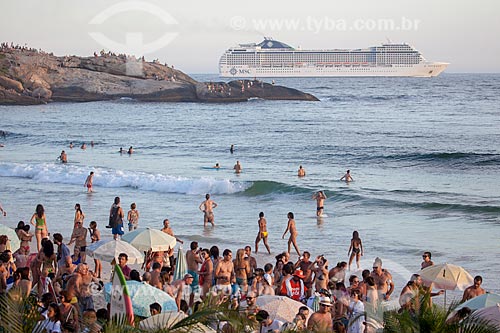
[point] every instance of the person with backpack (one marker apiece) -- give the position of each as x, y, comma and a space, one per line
116, 219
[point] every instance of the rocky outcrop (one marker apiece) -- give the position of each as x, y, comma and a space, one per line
31, 77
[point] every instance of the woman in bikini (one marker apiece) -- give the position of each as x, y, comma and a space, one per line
79, 216
206, 272
262, 235
39, 221
321, 273
241, 270
24, 236
356, 249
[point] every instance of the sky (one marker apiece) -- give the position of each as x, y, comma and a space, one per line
192, 35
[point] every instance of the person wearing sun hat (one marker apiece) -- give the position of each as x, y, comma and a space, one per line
294, 287
321, 320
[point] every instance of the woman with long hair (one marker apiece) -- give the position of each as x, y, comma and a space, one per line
53, 322
79, 216
356, 249
241, 270
206, 272
39, 221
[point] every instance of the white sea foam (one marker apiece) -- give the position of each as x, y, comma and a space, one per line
113, 178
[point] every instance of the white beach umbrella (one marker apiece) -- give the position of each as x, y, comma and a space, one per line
280, 307
107, 250
150, 239
447, 277
170, 318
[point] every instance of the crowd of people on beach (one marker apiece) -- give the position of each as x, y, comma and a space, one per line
333, 300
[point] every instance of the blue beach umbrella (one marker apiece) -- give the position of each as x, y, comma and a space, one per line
142, 295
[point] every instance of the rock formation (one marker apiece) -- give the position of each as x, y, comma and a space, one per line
31, 77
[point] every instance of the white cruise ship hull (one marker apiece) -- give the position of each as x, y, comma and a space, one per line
425, 69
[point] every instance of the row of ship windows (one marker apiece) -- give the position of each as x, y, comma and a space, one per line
263, 63
275, 58
267, 70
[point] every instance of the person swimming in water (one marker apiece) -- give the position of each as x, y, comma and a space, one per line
63, 157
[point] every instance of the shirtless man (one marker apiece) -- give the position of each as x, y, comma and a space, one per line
237, 167
79, 237
89, 181
293, 233
79, 286
3, 211
347, 177
168, 230
207, 207
301, 172
193, 261
224, 273
320, 200
262, 234
321, 321
63, 157
474, 290
383, 280
155, 275
180, 286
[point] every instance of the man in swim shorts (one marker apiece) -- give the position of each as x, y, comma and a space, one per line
207, 207
89, 181
320, 199
262, 234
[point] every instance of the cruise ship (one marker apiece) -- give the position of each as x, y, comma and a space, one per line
272, 58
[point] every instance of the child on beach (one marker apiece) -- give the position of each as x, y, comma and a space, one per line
89, 181
133, 217
356, 249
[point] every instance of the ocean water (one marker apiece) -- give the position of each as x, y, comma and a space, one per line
424, 155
